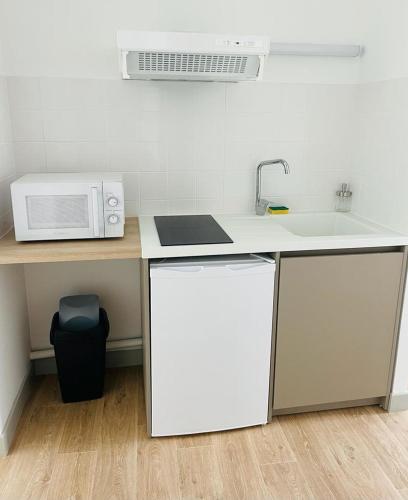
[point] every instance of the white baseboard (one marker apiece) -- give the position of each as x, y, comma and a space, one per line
398, 402
114, 359
8, 433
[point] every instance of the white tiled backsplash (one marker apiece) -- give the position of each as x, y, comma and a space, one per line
188, 147
7, 167
380, 169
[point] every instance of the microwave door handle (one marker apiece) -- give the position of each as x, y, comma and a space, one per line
95, 212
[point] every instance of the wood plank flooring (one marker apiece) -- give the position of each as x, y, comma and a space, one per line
100, 450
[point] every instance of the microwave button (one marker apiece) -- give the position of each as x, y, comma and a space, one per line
113, 219
113, 202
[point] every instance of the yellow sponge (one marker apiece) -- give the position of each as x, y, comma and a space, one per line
278, 210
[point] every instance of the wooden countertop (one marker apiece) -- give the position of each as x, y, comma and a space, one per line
128, 247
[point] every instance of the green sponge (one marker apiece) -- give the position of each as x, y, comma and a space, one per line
277, 210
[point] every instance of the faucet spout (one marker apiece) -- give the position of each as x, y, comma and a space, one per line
261, 205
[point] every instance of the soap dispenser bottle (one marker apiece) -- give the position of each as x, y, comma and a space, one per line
343, 198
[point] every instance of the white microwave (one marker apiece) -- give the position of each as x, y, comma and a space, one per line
68, 206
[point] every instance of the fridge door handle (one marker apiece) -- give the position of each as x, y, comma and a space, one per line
265, 258
182, 270
243, 267
211, 272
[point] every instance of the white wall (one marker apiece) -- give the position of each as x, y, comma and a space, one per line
7, 168
380, 167
184, 147
14, 332
187, 147
77, 39
386, 41
14, 343
380, 171
117, 283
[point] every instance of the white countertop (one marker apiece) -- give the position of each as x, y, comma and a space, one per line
265, 234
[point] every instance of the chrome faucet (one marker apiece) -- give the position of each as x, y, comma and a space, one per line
261, 205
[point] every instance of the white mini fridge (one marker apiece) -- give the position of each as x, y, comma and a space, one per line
211, 330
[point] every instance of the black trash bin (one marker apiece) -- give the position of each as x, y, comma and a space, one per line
80, 358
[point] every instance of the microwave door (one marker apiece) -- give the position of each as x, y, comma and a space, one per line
63, 211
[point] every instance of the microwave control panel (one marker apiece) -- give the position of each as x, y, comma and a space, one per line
113, 208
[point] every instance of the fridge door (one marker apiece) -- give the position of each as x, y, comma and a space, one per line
211, 324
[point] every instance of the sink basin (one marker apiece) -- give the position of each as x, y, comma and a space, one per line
330, 224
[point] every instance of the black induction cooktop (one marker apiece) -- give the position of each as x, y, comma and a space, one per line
189, 230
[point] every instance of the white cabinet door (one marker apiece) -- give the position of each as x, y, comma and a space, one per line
210, 346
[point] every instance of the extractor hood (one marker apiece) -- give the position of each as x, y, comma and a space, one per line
150, 55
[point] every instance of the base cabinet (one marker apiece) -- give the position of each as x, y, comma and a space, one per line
335, 328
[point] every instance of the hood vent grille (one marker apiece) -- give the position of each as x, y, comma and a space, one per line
191, 56
164, 62
177, 66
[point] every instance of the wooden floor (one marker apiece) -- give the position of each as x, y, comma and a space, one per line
100, 450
